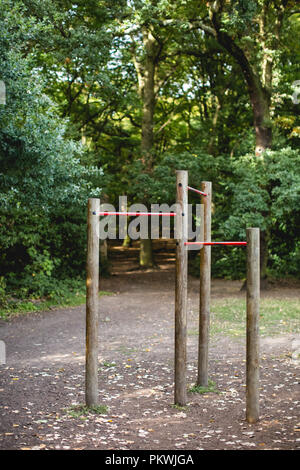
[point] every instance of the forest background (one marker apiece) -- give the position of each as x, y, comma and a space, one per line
105, 98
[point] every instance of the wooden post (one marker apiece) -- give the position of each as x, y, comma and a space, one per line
205, 288
181, 287
92, 296
252, 353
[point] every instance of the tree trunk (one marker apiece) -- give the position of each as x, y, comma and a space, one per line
212, 141
259, 89
260, 101
260, 98
146, 75
148, 97
127, 241
146, 253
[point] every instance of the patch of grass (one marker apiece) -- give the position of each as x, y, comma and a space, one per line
22, 306
211, 388
82, 411
179, 407
193, 332
108, 364
277, 316
125, 350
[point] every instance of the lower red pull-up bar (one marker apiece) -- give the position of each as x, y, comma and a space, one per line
216, 243
166, 214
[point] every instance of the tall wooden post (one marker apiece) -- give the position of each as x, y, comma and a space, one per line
92, 296
205, 288
252, 353
181, 287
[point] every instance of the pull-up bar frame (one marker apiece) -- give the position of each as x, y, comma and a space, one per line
92, 298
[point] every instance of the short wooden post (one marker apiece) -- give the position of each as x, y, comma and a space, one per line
205, 288
181, 287
92, 296
252, 353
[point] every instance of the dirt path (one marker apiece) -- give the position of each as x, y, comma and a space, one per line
44, 375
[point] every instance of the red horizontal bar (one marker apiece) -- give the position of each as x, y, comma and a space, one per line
216, 243
197, 191
138, 213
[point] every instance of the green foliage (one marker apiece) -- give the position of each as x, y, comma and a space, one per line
82, 411
65, 293
202, 390
265, 192
3, 294
249, 191
241, 14
70, 292
76, 60
228, 262
158, 187
43, 185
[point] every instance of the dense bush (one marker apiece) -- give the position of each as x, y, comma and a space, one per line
247, 192
43, 186
265, 192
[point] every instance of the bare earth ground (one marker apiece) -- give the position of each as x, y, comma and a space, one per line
44, 374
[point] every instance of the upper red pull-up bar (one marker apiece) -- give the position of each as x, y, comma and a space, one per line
136, 213
197, 191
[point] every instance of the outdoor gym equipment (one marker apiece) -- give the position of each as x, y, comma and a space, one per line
181, 276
